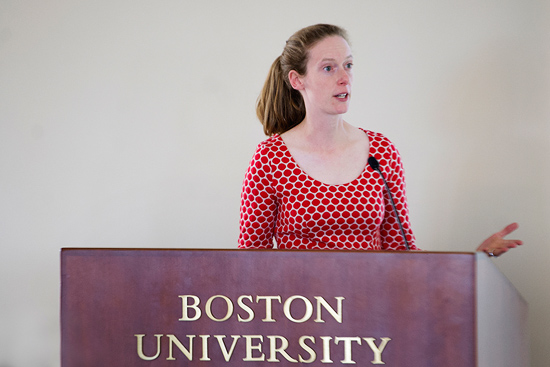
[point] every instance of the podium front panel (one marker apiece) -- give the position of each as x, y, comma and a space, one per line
150, 307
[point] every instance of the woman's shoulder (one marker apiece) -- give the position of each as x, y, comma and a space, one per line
272, 141
269, 148
272, 144
377, 139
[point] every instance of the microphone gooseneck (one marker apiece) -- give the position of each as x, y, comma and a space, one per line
375, 165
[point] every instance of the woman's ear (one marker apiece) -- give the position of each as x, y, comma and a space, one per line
295, 80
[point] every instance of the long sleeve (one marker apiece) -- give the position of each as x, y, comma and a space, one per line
391, 238
258, 203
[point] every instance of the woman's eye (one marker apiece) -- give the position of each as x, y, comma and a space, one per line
327, 68
349, 65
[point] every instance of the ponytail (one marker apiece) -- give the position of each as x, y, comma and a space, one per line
280, 107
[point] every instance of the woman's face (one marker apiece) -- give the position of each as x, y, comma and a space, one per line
326, 87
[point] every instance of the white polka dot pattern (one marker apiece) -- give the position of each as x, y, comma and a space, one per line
280, 201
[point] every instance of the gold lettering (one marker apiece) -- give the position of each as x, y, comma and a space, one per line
282, 349
208, 308
245, 308
187, 352
377, 350
227, 355
307, 314
186, 306
250, 348
140, 347
191, 310
321, 303
254, 347
307, 348
326, 349
204, 347
347, 347
268, 308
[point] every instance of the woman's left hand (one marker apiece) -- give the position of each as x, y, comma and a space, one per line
496, 245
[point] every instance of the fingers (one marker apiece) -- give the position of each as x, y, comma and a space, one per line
508, 229
514, 243
501, 246
496, 245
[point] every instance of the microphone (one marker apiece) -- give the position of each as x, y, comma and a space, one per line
373, 163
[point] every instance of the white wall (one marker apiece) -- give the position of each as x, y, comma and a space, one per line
130, 124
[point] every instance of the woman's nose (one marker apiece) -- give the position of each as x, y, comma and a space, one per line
344, 78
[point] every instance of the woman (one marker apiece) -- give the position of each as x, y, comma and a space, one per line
308, 185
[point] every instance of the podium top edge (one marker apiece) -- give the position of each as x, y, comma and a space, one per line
151, 249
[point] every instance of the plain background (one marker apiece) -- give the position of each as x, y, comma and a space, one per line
131, 123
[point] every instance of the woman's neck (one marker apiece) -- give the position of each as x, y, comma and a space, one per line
328, 132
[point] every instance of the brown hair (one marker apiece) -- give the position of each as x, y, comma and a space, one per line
280, 107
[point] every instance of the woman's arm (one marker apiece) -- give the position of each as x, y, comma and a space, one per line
390, 233
258, 203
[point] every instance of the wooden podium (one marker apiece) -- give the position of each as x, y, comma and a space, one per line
151, 307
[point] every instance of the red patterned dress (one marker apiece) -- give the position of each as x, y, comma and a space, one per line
281, 202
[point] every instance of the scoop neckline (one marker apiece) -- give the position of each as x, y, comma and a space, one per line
365, 169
